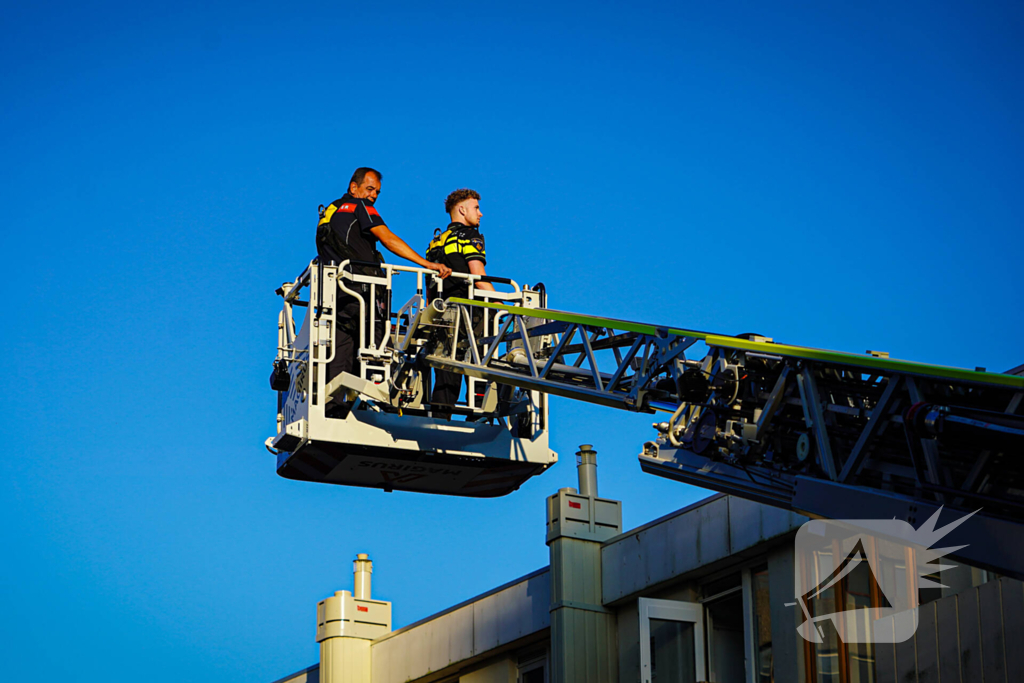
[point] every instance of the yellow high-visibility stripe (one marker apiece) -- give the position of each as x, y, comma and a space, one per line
451, 243
327, 215
439, 241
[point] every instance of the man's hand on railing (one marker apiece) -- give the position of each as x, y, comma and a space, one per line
442, 270
398, 247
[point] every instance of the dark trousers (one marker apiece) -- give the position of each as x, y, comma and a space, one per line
447, 387
344, 361
346, 337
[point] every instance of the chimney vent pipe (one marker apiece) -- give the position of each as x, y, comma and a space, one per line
586, 468
362, 568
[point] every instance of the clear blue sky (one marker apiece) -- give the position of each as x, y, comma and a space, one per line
842, 175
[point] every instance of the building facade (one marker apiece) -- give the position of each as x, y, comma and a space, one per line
703, 594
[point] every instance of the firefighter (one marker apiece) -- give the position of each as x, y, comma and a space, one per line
460, 247
349, 229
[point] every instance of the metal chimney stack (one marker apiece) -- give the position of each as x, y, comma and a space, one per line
586, 468
346, 622
362, 569
581, 626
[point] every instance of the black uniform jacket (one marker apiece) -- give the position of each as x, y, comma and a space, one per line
344, 231
456, 247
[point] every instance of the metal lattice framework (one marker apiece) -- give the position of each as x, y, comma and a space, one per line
602, 361
825, 433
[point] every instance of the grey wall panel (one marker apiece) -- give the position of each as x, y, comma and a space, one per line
511, 605
948, 640
696, 536
538, 596
465, 632
751, 523
459, 630
1013, 627
746, 523
417, 650
926, 643
787, 645
657, 558
627, 620
885, 657
485, 625
683, 537
990, 612
612, 567
976, 636
520, 612
713, 528
970, 637
451, 640
906, 662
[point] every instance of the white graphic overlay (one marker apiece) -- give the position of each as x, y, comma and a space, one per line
851, 573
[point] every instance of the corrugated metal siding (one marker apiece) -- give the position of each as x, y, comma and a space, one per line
591, 638
582, 640
696, 536
469, 630
976, 636
576, 566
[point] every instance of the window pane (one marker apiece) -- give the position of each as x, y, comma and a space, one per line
672, 653
532, 676
858, 586
826, 653
725, 639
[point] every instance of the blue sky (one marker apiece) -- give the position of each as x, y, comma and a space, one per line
839, 175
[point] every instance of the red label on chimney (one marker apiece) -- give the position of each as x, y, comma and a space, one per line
362, 609
575, 505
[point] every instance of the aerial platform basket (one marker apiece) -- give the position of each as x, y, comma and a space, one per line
389, 435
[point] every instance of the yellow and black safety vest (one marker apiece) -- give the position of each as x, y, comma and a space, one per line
455, 247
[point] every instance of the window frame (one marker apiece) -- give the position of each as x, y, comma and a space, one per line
671, 610
532, 661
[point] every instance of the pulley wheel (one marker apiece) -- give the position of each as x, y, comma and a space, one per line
704, 431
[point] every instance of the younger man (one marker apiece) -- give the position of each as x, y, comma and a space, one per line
461, 248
